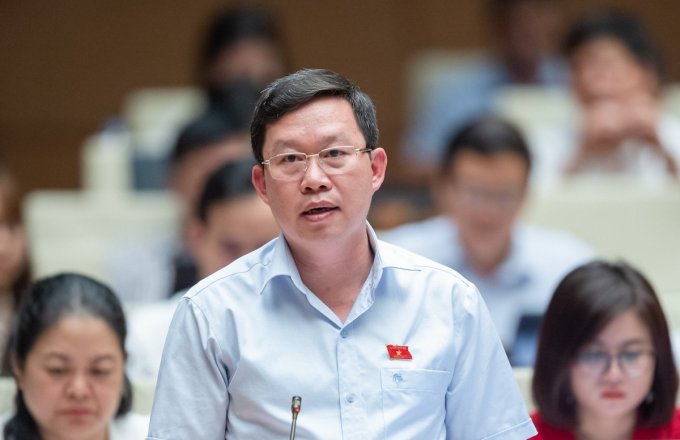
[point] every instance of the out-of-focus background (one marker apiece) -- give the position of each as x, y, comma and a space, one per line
68, 66
107, 141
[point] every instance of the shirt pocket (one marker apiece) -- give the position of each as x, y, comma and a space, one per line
413, 400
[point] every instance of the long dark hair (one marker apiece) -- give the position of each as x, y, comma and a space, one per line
45, 303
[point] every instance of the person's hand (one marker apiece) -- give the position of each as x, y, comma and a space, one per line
640, 118
604, 127
609, 122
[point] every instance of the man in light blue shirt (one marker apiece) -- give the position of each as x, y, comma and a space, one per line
481, 188
378, 342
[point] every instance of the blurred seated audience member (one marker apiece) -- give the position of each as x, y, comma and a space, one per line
525, 37
155, 268
217, 136
231, 220
616, 79
68, 360
15, 273
479, 191
241, 43
604, 367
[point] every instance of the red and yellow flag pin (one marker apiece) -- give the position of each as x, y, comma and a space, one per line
399, 352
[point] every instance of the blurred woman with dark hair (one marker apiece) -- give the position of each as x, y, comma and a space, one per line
604, 367
68, 360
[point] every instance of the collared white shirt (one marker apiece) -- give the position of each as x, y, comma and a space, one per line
523, 283
248, 338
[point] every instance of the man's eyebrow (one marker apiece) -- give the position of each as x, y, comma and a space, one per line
325, 141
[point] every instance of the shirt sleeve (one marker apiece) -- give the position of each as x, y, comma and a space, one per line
191, 398
483, 400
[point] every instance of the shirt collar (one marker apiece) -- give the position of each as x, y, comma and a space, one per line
281, 262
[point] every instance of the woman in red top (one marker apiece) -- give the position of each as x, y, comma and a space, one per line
604, 367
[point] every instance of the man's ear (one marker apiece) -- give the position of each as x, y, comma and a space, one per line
378, 167
259, 182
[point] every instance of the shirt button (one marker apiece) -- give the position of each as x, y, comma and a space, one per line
350, 398
343, 334
397, 378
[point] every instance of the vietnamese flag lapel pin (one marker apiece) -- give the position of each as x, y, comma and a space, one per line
399, 352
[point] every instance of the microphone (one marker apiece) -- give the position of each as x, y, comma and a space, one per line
295, 410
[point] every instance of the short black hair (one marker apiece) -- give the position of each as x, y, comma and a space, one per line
45, 303
291, 92
584, 303
230, 181
487, 135
621, 26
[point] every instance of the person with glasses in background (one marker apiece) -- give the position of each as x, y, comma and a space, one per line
376, 341
604, 367
480, 190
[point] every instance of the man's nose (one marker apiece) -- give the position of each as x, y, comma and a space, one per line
315, 176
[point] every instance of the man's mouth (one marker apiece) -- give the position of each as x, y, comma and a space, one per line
318, 210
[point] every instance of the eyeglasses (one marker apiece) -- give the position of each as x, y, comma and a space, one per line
632, 362
333, 160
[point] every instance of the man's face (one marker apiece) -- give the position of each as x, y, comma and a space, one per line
232, 229
604, 69
320, 207
484, 193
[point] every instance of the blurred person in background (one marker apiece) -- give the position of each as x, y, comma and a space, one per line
67, 352
218, 135
156, 268
604, 367
241, 43
616, 75
15, 273
240, 48
230, 221
480, 190
621, 129
525, 37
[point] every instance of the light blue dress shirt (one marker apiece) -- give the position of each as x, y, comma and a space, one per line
523, 283
249, 337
